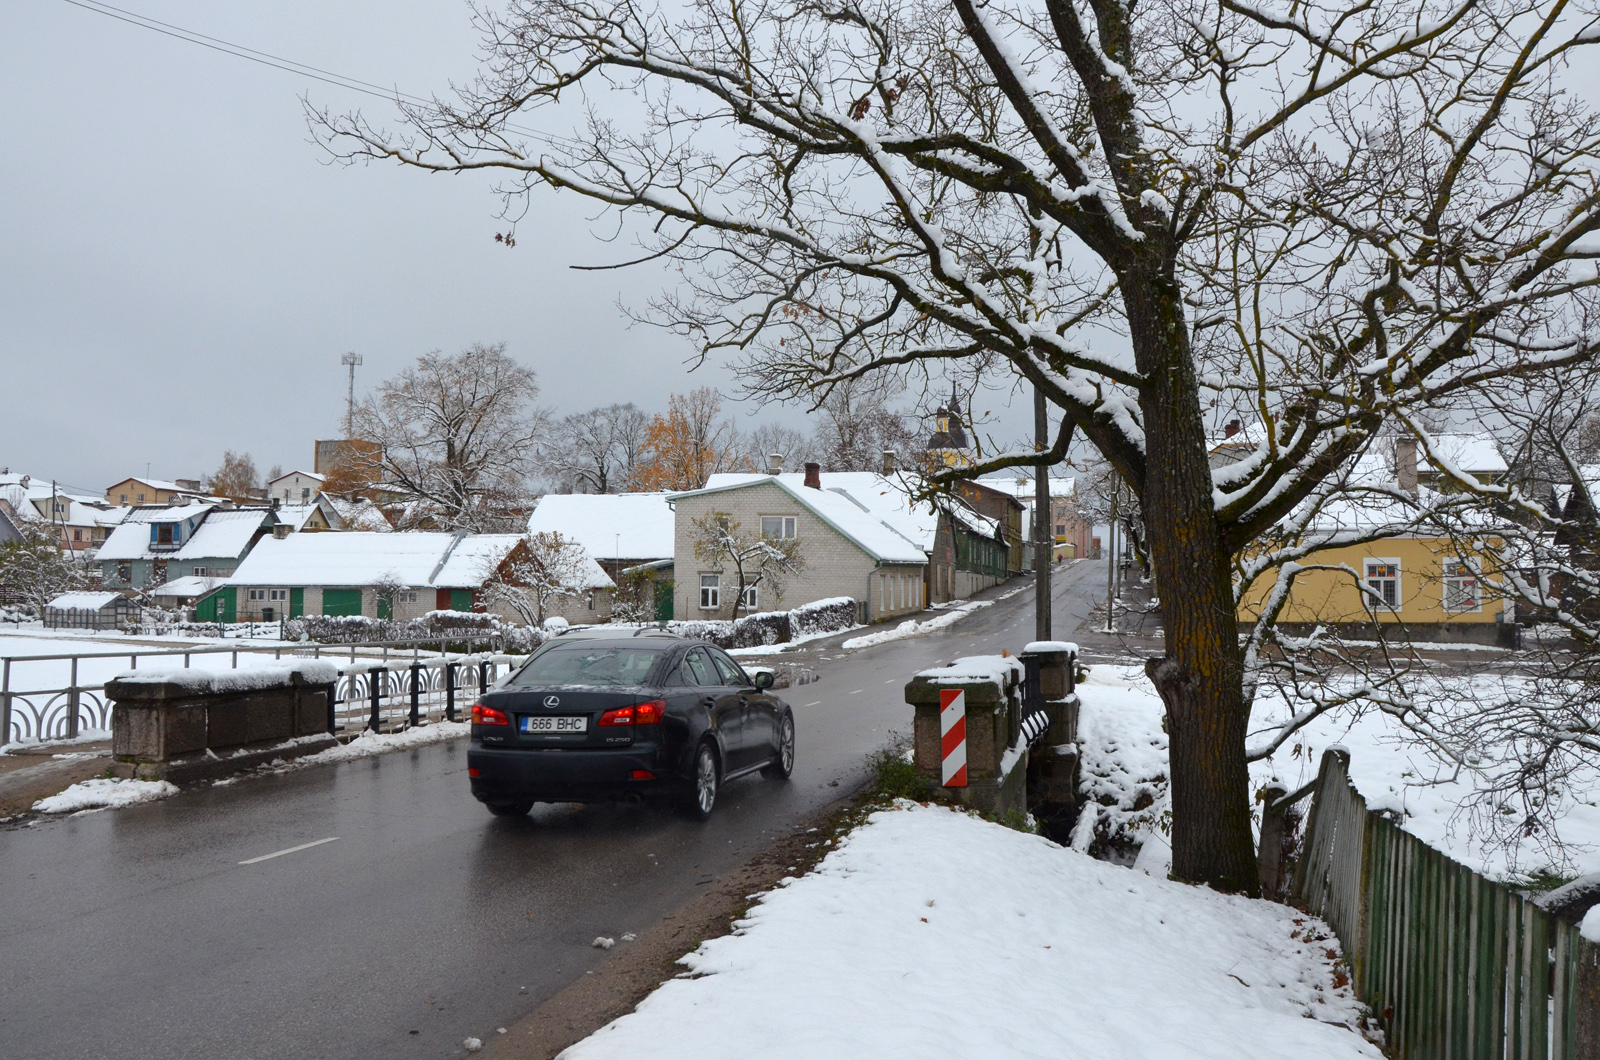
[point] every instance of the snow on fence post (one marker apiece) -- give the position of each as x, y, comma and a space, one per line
987, 689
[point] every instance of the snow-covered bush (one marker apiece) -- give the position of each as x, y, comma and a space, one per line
824, 616
451, 628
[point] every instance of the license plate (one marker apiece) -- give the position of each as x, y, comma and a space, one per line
558, 724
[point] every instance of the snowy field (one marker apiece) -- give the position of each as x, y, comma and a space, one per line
1124, 758
930, 933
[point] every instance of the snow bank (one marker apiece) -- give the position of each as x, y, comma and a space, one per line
930, 933
314, 671
372, 743
1039, 647
912, 628
1126, 810
102, 793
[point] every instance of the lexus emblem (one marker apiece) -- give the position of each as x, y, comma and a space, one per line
552, 701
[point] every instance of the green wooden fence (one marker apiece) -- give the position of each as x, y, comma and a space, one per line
1454, 966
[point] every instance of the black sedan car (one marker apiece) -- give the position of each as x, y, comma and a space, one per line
593, 717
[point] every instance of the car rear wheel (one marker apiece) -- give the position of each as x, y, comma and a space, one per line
781, 767
510, 809
707, 782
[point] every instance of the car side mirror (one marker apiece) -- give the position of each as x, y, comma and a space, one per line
763, 680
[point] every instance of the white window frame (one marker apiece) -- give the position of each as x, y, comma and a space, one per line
277, 594
748, 600
258, 594
1456, 575
1373, 581
788, 527
710, 592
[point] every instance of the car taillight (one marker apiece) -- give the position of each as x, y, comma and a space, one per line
474, 771
643, 774
482, 715
643, 714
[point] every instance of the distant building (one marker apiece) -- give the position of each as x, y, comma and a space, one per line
619, 530
82, 523
296, 487
384, 575
1071, 534
137, 491
949, 446
849, 549
159, 544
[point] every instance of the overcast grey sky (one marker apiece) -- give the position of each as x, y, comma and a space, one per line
183, 269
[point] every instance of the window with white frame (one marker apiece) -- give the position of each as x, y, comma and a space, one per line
779, 527
710, 591
277, 594
258, 594
1383, 579
1462, 591
748, 600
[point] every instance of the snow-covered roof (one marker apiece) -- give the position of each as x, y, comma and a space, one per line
224, 534
889, 499
964, 514
634, 526
876, 536
187, 586
296, 515
1019, 484
414, 558
475, 559
356, 514
1474, 453
131, 539
83, 601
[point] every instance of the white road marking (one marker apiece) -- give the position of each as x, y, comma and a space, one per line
291, 850
818, 703
857, 692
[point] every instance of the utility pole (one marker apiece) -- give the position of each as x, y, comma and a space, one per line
350, 360
1111, 567
1042, 538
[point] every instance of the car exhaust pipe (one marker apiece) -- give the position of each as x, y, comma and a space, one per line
634, 798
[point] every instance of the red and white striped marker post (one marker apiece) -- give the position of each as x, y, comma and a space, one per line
953, 736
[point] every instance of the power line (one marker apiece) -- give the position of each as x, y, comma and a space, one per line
277, 62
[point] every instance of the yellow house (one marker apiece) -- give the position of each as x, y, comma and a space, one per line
1416, 584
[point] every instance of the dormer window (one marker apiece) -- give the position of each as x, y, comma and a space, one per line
164, 533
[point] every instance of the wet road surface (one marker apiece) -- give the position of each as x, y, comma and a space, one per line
421, 920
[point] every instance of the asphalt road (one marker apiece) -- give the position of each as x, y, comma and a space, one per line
138, 934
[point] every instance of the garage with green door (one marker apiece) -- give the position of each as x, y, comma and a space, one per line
341, 601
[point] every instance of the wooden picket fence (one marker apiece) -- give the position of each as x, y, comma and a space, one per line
1452, 965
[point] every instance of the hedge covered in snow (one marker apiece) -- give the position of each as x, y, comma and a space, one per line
748, 631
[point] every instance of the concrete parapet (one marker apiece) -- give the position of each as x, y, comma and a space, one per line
172, 724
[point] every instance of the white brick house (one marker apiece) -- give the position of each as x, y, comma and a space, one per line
848, 550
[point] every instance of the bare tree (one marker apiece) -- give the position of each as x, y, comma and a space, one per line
550, 568
756, 560
596, 451
772, 439
1322, 219
689, 443
457, 433
237, 478
856, 425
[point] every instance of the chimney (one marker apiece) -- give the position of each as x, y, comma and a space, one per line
888, 463
1405, 464
774, 463
813, 474
1233, 428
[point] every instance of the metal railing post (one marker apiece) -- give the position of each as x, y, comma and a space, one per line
483, 678
375, 676
72, 703
5, 703
416, 693
449, 689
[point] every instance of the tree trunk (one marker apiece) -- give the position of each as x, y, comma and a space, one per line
1200, 677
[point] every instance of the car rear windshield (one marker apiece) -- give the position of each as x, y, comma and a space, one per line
588, 665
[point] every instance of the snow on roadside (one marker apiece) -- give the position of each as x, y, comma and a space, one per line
912, 628
791, 645
1126, 811
931, 933
103, 793
375, 743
